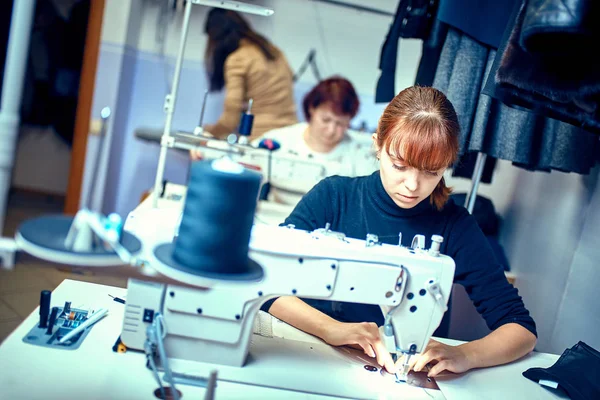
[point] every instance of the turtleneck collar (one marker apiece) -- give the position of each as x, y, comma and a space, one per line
383, 202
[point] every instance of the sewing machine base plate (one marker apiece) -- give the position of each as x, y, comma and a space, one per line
311, 368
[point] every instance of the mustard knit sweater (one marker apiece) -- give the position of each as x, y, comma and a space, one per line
250, 75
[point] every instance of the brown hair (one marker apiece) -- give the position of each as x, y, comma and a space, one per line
421, 126
337, 92
225, 29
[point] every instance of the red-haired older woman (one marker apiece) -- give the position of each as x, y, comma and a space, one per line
325, 138
416, 140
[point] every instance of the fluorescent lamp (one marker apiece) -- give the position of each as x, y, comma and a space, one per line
236, 6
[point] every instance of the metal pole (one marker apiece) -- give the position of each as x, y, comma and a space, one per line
88, 197
170, 108
12, 91
478, 171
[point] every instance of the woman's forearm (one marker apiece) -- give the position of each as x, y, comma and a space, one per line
302, 316
223, 127
505, 344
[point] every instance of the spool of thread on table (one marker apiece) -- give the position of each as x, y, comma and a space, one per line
217, 218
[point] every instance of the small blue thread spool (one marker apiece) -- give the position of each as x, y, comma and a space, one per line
217, 221
245, 128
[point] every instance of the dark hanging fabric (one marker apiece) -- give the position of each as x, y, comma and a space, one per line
547, 64
413, 19
488, 126
483, 20
430, 53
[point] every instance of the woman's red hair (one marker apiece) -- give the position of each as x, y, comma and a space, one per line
336, 92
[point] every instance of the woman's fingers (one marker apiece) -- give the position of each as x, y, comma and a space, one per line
423, 360
384, 358
367, 348
437, 368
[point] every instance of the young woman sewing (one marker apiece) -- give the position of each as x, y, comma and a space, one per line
416, 141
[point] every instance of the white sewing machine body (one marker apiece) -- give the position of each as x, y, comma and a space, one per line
213, 323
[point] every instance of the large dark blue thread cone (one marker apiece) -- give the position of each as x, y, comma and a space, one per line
217, 222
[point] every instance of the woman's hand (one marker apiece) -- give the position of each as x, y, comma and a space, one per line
363, 335
505, 344
443, 358
196, 155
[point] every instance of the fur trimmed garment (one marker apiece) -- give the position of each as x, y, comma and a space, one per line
549, 64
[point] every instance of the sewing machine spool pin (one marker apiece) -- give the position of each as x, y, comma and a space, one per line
372, 240
436, 242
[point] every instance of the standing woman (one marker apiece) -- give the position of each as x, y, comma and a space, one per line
248, 66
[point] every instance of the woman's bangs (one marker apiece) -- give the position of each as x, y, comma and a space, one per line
421, 146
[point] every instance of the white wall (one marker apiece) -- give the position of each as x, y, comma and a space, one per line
348, 42
119, 32
549, 233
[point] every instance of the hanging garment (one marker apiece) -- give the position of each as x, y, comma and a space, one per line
547, 63
431, 51
413, 19
483, 20
488, 126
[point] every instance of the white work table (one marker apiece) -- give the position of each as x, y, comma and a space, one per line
95, 371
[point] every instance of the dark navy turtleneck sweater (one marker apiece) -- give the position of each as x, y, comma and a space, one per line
358, 206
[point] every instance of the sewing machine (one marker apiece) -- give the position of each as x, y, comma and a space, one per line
283, 169
208, 321
214, 324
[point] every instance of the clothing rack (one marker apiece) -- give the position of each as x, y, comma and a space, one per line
475, 180
357, 7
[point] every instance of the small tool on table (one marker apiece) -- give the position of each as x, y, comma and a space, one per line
66, 309
44, 308
52, 320
117, 299
95, 317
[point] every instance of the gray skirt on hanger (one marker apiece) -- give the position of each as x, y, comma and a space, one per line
529, 140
